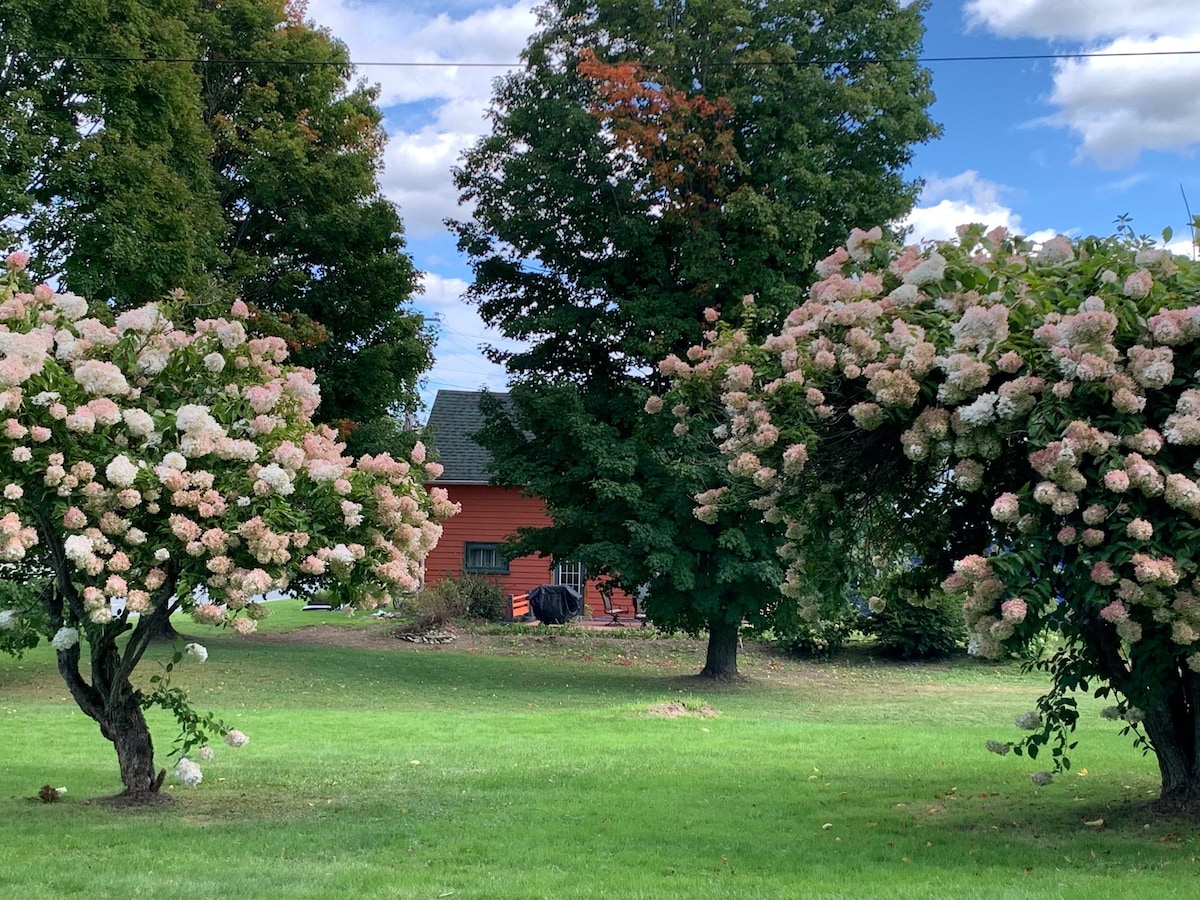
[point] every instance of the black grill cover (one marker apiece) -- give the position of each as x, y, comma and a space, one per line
555, 604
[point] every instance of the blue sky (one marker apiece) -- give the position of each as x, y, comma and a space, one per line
1043, 146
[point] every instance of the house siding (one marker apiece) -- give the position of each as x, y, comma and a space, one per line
490, 514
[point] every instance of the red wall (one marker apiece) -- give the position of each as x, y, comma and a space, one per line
491, 513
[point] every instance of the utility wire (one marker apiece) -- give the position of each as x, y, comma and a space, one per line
405, 64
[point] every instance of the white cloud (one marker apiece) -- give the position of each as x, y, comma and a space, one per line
1082, 20
453, 98
391, 32
417, 177
1184, 247
946, 203
1124, 105
459, 361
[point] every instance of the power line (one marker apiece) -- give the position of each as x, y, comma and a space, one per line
413, 64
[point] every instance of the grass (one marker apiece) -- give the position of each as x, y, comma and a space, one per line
533, 765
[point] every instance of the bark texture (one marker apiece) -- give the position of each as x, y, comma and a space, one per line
720, 662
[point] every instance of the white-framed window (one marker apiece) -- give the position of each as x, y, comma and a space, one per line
571, 574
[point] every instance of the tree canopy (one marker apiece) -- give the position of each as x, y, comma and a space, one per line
650, 161
221, 148
1044, 395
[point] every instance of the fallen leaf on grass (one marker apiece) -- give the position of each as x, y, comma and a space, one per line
1095, 823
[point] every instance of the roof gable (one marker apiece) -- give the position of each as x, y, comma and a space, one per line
453, 420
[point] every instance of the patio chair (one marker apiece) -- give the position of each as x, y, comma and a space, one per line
615, 612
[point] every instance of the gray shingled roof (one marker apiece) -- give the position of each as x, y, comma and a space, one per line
455, 417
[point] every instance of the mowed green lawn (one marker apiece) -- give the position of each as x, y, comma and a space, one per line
539, 766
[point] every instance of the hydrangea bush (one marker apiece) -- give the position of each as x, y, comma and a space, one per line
1022, 419
147, 467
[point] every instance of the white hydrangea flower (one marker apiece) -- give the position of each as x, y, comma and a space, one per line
175, 461
278, 479
188, 772
78, 547
195, 651
139, 422
70, 306
101, 379
65, 638
121, 472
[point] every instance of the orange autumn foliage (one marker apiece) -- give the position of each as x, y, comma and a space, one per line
684, 139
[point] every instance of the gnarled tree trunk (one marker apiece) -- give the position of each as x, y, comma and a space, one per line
1173, 727
125, 725
115, 706
1169, 699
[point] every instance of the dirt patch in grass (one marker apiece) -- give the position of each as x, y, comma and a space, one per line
674, 709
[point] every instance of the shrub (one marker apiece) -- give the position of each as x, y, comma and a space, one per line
465, 596
484, 597
821, 639
909, 630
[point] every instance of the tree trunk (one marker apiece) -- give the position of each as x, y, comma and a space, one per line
165, 631
720, 663
125, 725
1177, 761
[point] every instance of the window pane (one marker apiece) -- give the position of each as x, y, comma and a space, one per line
570, 574
479, 557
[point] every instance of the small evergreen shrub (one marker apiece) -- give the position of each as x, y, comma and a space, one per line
907, 630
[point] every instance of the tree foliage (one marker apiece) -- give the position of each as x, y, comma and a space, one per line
151, 469
1024, 420
652, 160
105, 164
131, 171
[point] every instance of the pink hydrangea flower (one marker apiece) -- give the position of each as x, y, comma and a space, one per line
1014, 610
1139, 530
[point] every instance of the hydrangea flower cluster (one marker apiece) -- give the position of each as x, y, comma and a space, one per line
1056, 388
155, 458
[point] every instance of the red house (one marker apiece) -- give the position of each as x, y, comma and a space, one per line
472, 539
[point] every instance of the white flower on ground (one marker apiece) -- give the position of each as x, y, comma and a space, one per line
205, 753
196, 651
188, 772
1042, 778
236, 738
